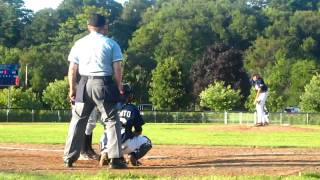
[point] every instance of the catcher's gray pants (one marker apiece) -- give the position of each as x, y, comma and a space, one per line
94, 94
129, 146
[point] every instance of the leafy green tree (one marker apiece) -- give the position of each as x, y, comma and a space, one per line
217, 97
310, 99
220, 62
75, 27
44, 25
278, 76
300, 74
56, 94
289, 32
19, 98
9, 55
129, 21
44, 65
260, 56
13, 16
167, 90
294, 5
139, 80
71, 8
184, 29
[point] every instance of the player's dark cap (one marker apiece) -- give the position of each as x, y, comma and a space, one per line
128, 93
127, 89
96, 20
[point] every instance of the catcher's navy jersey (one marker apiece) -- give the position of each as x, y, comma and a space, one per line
259, 83
130, 117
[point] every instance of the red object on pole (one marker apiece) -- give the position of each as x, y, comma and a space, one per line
17, 81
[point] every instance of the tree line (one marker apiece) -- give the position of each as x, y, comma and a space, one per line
179, 54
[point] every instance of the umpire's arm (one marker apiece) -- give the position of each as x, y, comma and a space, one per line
118, 75
72, 75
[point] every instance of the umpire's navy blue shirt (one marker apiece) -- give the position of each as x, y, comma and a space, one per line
130, 117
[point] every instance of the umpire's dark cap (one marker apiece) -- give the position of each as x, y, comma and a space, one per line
96, 20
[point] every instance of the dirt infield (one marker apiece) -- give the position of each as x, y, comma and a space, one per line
172, 160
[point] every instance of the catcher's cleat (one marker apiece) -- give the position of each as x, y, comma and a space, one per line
117, 163
103, 159
258, 124
89, 155
133, 160
67, 163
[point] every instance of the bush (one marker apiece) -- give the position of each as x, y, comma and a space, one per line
56, 95
18, 98
220, 98
310, 99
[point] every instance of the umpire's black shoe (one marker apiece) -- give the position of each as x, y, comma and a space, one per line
68, 163
117, 163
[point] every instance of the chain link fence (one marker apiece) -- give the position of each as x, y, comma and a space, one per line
25, 115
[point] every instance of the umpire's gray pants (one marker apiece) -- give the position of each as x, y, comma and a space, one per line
94, 95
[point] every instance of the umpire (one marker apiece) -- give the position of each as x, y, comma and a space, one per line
97, 58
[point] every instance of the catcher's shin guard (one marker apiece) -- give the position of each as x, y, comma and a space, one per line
139, 153
144, 148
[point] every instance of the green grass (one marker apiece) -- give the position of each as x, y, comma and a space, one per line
181, 134
184, 134
107, 175
200, 134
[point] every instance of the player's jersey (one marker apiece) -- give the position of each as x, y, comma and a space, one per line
130, 117
259, 83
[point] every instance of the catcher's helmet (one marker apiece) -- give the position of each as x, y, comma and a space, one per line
128, 92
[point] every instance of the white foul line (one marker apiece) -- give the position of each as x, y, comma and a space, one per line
31, 149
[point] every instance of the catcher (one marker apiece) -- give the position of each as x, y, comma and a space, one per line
133, 142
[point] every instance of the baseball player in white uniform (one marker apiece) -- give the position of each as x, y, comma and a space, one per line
260, 99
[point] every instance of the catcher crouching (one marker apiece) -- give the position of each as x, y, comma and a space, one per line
134, 144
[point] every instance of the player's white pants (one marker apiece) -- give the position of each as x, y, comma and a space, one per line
261, 115
128, 146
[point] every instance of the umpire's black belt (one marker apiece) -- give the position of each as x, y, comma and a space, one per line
106, 78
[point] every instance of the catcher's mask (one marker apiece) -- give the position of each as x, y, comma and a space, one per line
128, 93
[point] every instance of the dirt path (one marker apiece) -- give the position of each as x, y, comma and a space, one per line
172, 160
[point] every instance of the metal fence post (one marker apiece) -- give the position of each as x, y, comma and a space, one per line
255, 118
177, 117
202, 117
8, 115
59, 117
307, 118
281, 118
225, 117
32, 115
240, 118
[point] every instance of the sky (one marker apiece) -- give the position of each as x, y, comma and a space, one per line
36, 5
